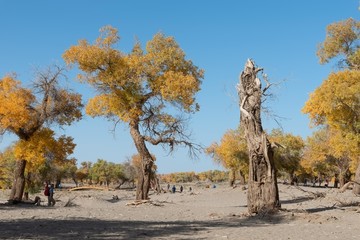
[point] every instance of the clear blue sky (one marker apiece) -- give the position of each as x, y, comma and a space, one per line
218, 36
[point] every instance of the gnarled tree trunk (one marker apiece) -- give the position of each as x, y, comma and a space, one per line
18, 186
263, 193
145, 173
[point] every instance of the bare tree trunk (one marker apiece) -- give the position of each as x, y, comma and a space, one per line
263, 193
356, 189
341, 180
155, 184
232, 176
18, 186
144, 176
242, 177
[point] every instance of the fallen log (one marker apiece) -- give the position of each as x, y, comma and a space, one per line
90, 188
347, 185
137, 202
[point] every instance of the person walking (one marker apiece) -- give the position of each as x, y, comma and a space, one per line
51, 200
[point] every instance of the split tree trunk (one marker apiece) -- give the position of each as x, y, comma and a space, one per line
18, 186
145, 173
263, 193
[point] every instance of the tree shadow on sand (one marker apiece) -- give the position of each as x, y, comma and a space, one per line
296, 200
123, 229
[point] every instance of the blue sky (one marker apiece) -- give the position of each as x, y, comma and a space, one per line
218, 36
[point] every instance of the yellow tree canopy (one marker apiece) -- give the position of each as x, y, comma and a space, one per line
138, 87
342, 38
328, 149
15, 100
316, 151
231, 152
7, 166
44, 147
289, 153
23, 111
337, 103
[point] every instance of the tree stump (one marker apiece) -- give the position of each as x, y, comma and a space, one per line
263, 193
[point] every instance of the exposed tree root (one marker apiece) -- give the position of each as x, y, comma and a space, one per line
313, 194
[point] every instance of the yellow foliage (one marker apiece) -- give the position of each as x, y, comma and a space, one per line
232, 152
337, 102
341, 39
126, 82
288, 156
42, 147
14, 101
315, 152
327, 145
7, 166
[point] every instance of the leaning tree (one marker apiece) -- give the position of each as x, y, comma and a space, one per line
263, 193
150, 90
26, 112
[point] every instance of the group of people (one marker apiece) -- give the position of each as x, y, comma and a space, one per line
173, 189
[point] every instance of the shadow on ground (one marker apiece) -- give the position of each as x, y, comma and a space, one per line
122, 229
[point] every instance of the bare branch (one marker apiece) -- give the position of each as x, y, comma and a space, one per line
242, 109
268, 85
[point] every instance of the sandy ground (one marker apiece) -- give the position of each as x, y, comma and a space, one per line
204, 213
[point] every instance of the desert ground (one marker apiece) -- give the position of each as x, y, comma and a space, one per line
203, 213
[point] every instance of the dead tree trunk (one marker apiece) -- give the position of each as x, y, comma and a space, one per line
263, 193
18, 186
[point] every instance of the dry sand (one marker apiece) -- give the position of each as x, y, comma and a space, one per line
204, 213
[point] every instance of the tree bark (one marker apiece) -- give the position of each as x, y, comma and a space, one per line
356, 189
18, 186
242, 177
144, 176
232, 177
263, 193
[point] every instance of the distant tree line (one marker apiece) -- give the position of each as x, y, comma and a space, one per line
102, 172
99, 173
185, 177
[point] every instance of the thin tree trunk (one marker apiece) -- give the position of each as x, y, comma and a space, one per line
18, 186
232, 176
341, 180
144, 176
242, 177
263, 193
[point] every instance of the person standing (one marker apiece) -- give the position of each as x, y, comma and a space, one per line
51, 200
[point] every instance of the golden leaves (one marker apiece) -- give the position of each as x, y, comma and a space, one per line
126, 82
337, 101
175, 86
339, 40
43, 146
108, 36
15, 102
232, 151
